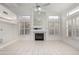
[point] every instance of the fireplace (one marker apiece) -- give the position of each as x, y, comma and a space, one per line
39, 36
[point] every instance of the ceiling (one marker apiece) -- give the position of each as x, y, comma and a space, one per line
22, 9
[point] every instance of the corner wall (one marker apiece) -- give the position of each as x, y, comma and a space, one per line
74, 42
8, 33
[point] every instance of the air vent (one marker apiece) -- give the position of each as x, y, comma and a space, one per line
5, 12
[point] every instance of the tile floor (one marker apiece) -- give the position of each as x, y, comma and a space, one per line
25, 47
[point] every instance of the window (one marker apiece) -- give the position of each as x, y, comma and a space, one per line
72, 27
54, 25
53, 17
26, 17
25, 25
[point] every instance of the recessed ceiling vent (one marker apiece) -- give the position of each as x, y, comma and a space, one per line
5, 12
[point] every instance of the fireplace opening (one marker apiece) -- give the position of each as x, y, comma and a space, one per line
39, 36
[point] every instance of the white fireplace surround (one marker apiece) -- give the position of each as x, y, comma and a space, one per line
39, 30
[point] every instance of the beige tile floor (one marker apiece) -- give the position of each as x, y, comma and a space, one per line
25, 47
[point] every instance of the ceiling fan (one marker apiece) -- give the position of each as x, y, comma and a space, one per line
42, 4
39, 6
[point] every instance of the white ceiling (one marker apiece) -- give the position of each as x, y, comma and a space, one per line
22, 9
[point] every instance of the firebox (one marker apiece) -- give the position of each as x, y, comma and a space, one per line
39, 36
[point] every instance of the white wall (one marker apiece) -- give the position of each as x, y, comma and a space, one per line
74, 42
10, 15
8, 27
9, 32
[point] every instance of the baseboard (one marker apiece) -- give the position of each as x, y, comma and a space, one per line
8, 43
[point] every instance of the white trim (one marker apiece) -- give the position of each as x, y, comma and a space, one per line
8, 43
75, 10
8, 21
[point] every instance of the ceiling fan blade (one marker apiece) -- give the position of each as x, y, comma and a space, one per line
46, 4
42, 5
37, 5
